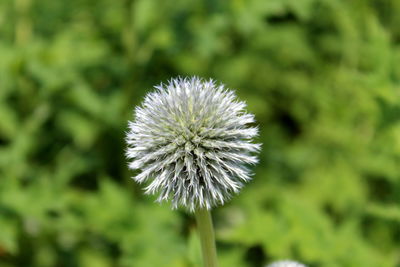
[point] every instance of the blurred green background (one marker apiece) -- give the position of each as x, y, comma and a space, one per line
322, 77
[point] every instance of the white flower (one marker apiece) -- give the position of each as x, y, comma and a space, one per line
191, 140
286, 263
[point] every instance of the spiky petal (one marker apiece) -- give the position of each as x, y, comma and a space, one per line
192, 142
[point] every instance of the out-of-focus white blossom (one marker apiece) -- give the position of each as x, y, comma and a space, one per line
286, 263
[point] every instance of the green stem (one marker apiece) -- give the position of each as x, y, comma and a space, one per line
23, 25
206, 232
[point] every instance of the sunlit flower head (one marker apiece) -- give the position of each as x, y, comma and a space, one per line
192, 142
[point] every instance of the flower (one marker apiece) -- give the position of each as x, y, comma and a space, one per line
192, 141
286, 263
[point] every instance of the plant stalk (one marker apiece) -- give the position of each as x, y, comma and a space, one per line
23, 25
207, 238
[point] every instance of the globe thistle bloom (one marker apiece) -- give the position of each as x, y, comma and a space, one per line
192, 141
286, 263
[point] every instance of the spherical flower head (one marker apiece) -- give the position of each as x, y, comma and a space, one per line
192, 141
286, 263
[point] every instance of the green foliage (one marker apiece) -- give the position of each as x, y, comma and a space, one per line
320, 75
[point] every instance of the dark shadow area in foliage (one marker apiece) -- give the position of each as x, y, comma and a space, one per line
255, 256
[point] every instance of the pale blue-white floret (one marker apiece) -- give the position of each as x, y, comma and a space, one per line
192, 142
286, 263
